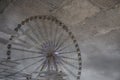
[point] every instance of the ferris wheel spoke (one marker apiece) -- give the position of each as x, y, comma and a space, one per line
20, 44
62, 43
65, 47
43, 65
38, 34
59, 64
68, 63
37, 68
70, 52
45, 30
69, 58
40, 31
55, 65
51, 30
29, 36
68, 70
34, 32
48, 65
47, 42
50, 44
28, 58
59, 38
42, 50
25, 43
25, 50
55, 35
25, 68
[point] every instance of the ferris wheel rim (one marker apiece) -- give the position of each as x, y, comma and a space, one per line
64, 27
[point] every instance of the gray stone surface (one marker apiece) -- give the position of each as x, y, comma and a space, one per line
105, 4
97, 32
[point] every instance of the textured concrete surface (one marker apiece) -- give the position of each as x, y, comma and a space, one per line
105, 4
96, 30
76, 11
